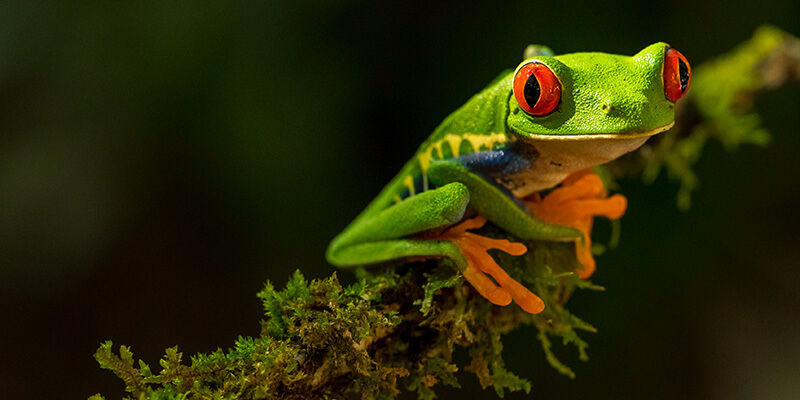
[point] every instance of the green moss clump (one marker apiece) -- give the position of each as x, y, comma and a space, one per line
393, 329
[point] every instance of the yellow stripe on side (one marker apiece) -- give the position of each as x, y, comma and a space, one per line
454, 141
486, 140
409, 182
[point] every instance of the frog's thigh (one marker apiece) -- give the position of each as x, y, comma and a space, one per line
497, 206
428, 210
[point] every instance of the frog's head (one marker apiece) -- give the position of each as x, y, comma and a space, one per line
597, 96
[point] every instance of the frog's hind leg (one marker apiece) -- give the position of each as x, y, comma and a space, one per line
467, 250
384, 236
428, 210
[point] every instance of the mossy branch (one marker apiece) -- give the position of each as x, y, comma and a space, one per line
398, 327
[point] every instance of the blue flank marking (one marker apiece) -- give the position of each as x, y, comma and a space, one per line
492, 165
501, 163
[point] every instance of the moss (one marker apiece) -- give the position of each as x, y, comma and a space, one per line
393, 329
397, 328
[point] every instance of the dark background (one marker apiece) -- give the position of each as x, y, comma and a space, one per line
159, 161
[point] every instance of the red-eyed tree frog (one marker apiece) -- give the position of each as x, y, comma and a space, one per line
544, 125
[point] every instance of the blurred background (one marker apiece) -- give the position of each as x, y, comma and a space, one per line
159, 161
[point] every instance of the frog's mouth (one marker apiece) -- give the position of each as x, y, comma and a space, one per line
592, 136
560, 155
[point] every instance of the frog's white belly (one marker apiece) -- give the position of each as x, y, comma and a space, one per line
559, 157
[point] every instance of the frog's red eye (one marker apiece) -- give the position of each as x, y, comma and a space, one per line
536, 89
677, 74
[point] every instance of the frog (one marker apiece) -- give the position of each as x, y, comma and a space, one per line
520, 154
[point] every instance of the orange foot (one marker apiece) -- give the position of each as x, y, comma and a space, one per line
479, 263
575, 203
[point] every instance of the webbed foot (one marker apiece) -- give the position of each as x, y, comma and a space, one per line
474, 248
579, 199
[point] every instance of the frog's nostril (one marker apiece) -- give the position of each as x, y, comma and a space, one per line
607, 108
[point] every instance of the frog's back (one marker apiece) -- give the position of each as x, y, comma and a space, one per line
478, 125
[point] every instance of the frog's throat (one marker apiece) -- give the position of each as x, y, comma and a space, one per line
560, 156
591, 136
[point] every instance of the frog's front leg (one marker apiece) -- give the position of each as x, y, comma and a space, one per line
387, 235
575, 203
498, 205
565, 214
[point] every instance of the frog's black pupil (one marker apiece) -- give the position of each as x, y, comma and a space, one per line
532, 90
683, 72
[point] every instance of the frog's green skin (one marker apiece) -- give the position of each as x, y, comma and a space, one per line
490, 153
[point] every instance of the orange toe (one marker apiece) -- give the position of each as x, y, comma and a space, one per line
480, 264
485, 287
579, 199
